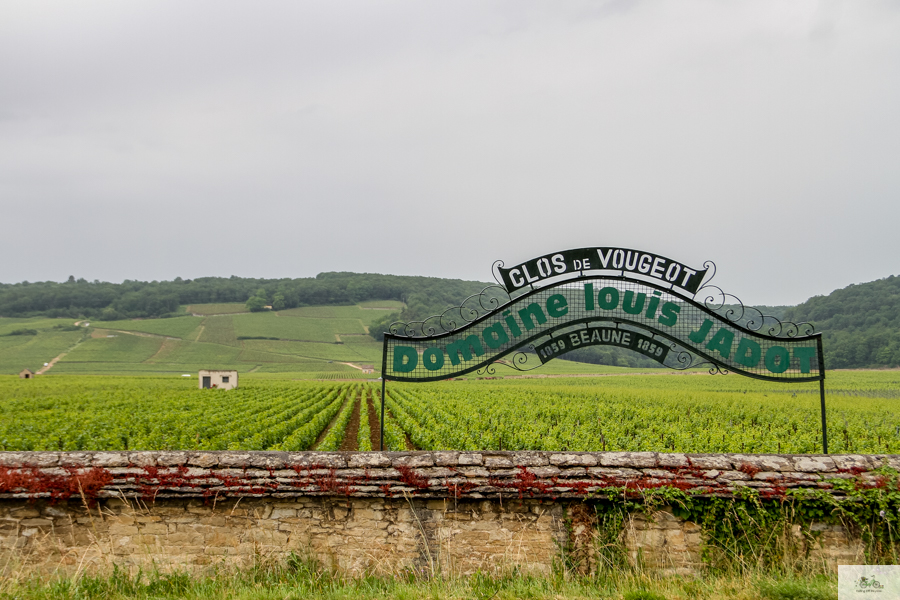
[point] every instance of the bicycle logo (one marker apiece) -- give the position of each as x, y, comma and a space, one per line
868, 583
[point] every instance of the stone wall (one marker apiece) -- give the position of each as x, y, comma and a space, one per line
380, 512
353, 535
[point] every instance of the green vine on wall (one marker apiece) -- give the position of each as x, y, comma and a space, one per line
747, 531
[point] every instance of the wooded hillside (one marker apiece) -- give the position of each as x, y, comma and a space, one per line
141, 299
860, 324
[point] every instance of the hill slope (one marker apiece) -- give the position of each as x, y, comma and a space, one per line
322, 342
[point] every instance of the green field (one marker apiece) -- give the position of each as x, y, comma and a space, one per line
365, 316
382, 305
31, 352
269, 324
308, 342
324, 351
199, 353
218, 330
216, 309
178, 327
7, 326
121, 348
663, 413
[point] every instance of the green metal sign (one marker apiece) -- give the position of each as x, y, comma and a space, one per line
647, 314
556, 303
676, 332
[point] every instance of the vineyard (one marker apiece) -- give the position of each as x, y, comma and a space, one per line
664, 413
311, 342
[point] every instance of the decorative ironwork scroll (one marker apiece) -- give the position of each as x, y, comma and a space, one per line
551, 305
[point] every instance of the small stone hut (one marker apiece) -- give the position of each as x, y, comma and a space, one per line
221, 380
26, 374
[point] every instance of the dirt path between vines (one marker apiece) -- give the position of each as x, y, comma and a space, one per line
374, 422
350, 442
409, 445
375, 425
325, 431
49, 366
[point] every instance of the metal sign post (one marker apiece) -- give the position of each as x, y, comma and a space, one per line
822, 395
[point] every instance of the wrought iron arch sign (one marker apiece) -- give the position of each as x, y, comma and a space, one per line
556, 303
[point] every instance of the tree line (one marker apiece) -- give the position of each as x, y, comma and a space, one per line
78, 298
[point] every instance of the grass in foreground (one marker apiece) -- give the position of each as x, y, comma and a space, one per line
297, 579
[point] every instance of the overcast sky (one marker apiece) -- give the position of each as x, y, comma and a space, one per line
150, 140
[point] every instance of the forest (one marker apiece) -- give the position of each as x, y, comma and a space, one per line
78, 298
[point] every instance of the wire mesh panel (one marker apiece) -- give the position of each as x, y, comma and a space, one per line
660, 323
